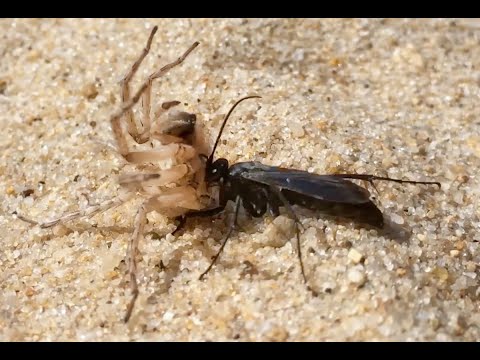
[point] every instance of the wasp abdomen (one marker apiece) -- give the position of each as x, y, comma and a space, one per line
366, 213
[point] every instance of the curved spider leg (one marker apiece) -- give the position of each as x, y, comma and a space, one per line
185, 197
145, 135
125, 83
87, 212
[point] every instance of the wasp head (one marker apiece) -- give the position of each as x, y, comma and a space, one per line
216, 170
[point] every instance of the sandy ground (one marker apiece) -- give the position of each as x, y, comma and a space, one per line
389, 97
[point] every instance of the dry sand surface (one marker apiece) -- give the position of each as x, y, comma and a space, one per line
389, 97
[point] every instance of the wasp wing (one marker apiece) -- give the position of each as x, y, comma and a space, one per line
322, 187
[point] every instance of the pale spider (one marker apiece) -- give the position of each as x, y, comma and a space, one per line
171, 191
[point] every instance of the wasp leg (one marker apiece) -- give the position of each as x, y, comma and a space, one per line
290, 211
233, 226
273, 205
197, 213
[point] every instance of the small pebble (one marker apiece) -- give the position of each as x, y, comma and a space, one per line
297, 129
454, 253
401, 271
30, 291
397, 219
168, 316
356, 276
355, 256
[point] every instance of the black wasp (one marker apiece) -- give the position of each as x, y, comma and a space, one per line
260, 188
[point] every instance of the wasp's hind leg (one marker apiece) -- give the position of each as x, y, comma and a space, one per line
298, 224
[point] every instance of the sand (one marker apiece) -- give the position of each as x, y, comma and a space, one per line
394, 98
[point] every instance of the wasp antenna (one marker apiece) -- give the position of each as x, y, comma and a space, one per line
210, 158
